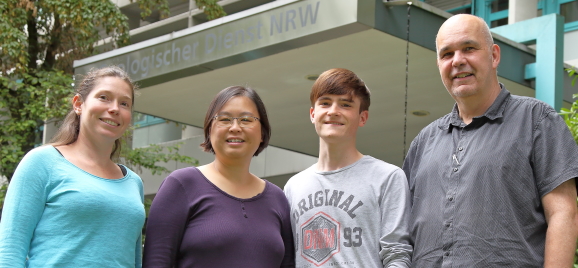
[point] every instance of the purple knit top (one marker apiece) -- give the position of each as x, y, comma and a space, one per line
192, 223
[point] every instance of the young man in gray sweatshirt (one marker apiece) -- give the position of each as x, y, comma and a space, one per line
348, 209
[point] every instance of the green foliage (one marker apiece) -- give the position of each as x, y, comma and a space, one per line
24, 105
148, 157
572, 73
40, 40
3, 189
571, 118
211, 9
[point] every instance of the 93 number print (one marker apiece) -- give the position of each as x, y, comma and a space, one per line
352, 237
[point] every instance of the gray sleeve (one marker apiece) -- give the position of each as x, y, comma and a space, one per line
555, 154
395, 209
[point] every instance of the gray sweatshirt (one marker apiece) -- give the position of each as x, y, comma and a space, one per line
355, 217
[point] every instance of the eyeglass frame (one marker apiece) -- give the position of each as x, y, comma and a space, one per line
233, 120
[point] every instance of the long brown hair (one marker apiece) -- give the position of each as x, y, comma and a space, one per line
68, 131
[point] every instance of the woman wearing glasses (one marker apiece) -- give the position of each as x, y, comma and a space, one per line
219, 214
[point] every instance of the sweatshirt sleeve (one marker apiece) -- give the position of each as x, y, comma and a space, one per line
395, 246
166, 224
139, 246
287, 234
23, 208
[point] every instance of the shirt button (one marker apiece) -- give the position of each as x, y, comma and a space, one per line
461, 148
446, 254
451, 198
455, 169
448, 224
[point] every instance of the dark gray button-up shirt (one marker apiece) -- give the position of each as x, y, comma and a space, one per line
476, 189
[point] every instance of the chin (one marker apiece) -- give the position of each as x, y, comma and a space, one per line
464, 91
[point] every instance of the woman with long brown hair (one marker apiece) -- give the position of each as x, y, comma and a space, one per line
69, 204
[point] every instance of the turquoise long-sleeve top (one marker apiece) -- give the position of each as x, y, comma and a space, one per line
58, 215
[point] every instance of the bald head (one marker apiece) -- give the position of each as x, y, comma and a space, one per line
465, 22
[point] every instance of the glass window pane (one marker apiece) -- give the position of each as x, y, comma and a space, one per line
569, 11
499, 22
499, 5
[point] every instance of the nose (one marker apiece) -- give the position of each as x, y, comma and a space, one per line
113, 108
235, 125
458, 59
333, 109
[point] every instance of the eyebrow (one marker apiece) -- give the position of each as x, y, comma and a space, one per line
106, 91
340, 99
230, 114
461, 44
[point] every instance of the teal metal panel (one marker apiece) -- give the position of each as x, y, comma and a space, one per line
530, 72
550, 7
482, 9
499, 15
459, 8
548, 33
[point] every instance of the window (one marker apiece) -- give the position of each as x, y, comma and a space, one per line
143, 120
566, 8
499, 15
569, 11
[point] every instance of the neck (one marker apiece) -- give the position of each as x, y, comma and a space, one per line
473, 106
235, 171
333, 156
92, 151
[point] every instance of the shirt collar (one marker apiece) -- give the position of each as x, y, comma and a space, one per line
495, 111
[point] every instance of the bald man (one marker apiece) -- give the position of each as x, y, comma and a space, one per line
492, 183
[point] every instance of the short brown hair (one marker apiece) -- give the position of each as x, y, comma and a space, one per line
221, 99
339, 81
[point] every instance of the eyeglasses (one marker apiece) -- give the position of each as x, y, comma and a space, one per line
245, 121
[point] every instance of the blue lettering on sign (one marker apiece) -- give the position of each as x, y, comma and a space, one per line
141, 64
305, 17
229, 40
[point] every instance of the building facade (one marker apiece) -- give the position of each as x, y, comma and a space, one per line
279, 48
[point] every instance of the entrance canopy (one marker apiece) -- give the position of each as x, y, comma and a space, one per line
279, 47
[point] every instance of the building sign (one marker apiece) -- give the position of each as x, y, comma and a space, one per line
231, 38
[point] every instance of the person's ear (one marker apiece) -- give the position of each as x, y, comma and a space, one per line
363, 116
77, 104
495, 56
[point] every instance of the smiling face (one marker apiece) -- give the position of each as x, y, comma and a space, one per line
466, 59
337, 117
234, 141
106, 111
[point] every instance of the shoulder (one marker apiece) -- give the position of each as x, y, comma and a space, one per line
274, 190
40, 159
187, 179
521, 110
371, 162
433, 128
131, 175
276, 195
372, 165
46, 153
529, 104
298, 178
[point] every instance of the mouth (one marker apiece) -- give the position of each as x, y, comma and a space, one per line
110, 122
235, 140
463, 75
334, 123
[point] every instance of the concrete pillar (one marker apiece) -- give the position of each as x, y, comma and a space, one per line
191, 132
520, 10
50, 128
